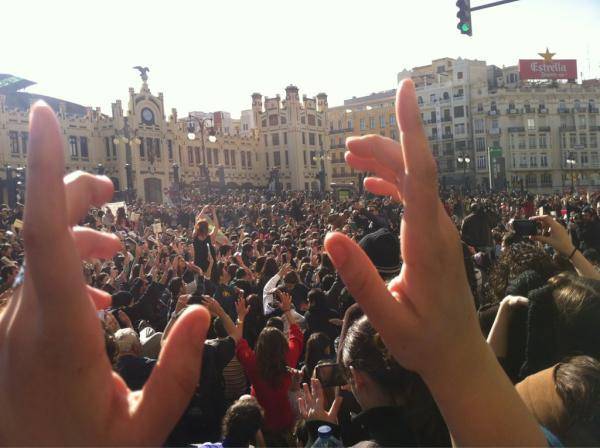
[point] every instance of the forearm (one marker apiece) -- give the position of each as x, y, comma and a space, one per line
498, 336
583, 267
228, 324
479, 404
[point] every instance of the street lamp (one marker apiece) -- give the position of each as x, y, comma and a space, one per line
203, 124
571, 161
321, 158
129, 176
100, 169
464, 159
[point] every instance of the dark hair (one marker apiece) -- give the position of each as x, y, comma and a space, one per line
271, 350
291, 278
217, 272
577, 383
516, 259
316, 299
254, 321
224, 249
7, 271
232, 269
242, 421
201, 228
316, 348
275, 322
259, 263
364, 350
269, 270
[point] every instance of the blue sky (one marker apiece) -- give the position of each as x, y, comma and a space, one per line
212, 55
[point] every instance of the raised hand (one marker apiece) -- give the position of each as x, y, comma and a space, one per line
426, 315
56, 382
241, 308
312, 404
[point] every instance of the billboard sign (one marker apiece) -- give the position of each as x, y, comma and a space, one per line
547, 68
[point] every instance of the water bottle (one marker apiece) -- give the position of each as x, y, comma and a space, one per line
326, 438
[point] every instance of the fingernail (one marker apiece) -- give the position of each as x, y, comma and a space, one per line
336, 250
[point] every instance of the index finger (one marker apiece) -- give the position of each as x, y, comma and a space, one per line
46, 227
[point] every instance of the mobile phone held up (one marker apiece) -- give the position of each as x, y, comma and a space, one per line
330, 374
526, 227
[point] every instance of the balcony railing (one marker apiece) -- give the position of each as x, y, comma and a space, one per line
567, 128
542, 110
563, 110
516, 129
544, 128
493, 112
593, 110
340, 131
445, 119
494, 131
338, 146
513, 111
446, 136
433, 137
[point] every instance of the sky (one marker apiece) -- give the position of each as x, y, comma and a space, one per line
212, 55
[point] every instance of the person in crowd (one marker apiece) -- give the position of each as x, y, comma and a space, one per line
476, 229
268, 367
318, 348
241, 425
134, 368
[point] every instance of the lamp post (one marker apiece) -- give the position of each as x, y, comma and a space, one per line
571, 161
100, 169
464, 159
176, 186
321, 158
203, 124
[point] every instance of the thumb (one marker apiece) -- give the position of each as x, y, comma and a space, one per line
361, 278
174, 378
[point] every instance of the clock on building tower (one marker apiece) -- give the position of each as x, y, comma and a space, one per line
147, 116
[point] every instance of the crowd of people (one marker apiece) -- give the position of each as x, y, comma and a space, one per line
406, 316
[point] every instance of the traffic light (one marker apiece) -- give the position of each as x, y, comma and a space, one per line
464, 17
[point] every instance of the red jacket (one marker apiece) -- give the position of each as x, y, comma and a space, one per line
274, 399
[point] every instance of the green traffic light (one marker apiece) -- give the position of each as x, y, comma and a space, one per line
465, 27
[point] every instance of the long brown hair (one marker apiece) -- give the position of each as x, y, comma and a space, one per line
271, 350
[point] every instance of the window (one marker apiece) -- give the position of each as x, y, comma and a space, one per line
107, 146
142, 148
85, 153
372, 122
381, 121
273, 120
546, 179
243, 158
363, 126
209, 156
432, 98
170, 149
190, 151
226, 156
304, 157
275, 139
480, 144
532, 141
459, 111
583, 140
594, 159
216, 155
531, 180
264, 123
283, 120
311, 139
543, 159
24, 141
320, 141
530, 123
420, 100
249, 158
521, 141
350, 124
267, 159
478, 126
533, 160
197, 152
493, 106
311, 120
312, 155
481, 162
303, 138
392, 120
572, 140
285, 138
73, 146
14, 142
157, 150
287, 158
561, 106
582, 121
233, 157
459, 75
584, 158
593, 140
543, 141
266, 139
394, 134
459, 128
523, 161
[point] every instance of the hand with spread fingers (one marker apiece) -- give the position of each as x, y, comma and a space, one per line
426, 315
56, 382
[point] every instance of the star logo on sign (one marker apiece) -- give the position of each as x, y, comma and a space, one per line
547, 55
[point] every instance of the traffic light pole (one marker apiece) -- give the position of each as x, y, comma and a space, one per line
491, 5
